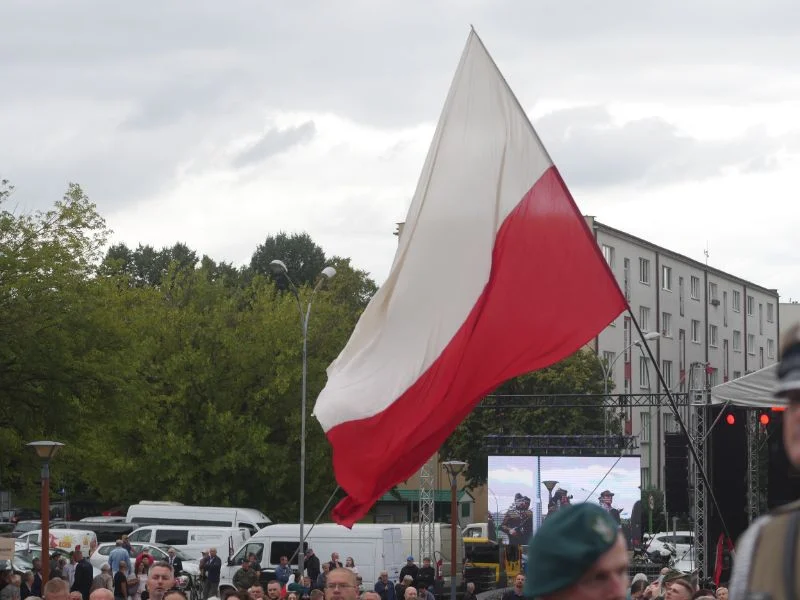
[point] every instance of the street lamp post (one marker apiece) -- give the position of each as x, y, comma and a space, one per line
454, 469
279, 268
45, 451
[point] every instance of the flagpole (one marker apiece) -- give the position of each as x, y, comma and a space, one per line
674, 407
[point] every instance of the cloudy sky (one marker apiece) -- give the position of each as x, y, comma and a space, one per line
217, 123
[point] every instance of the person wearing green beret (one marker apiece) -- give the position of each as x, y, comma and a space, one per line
578, 554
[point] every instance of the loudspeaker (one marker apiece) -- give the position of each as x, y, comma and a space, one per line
676, 473
783, 483
728, 471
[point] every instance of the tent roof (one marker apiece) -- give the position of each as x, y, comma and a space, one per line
754, 390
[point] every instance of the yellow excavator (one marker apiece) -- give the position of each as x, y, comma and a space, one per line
491, 565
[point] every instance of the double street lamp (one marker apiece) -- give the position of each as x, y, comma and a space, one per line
45, 451
279, 268
454, 468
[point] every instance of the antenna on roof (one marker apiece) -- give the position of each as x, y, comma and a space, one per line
706, 252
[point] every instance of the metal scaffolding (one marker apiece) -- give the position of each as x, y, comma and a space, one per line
753, 447
427, 489
701, 415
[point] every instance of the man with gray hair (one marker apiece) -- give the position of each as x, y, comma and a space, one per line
116, 556
56, 589
212, 567
101, 594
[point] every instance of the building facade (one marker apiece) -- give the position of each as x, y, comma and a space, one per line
790, 315
712, 327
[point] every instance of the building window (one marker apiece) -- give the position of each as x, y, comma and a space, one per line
608, 254
644, 271
666, 278
770, 348
736, 301
644, 318
751, 306
644, 434
770, 312
681, 294
666, 324
666, 370
760, 319
737, 374
724, 309
608, 359
751, 344
713, 377
712, 293
695, 331
761, 357
627, 268
670, 426
644, 373
712, 336
737, 341
694, 287
645, 477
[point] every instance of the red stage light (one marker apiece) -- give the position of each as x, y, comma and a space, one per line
764, 419
730, 419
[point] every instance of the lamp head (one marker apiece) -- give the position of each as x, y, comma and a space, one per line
328, 272
278, 267
653, 335
454, 467
46, 450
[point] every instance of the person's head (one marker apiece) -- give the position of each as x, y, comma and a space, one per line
310, 552
106, 568
77, 556
160, 578
274, 589
102, 594
56, 589
75, 596
284, 561
256, 592
349, 562
408, 580
519, 582
27, 577
306, 581
637, 588
341, 585
384, 576
317, 595
410, 593
123, 566
679, 589
426, 562
124, 537
37, 564
326, 567
722, 593
171, 552
410, 560
578, 554
246, 564
212, 552
335, 557
119, 542
292, 596
180, 595
370, 596
788, 388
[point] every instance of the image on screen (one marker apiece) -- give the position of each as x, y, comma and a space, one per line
524, 490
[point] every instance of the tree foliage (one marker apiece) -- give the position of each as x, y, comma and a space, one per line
166, 376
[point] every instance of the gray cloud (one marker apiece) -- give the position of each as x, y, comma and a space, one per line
593, 151
274, 142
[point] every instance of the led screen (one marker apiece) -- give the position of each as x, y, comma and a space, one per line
524, 490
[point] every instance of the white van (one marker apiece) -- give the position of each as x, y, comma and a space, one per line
441, 545
63, 539
192, 540
374, 548
170, 513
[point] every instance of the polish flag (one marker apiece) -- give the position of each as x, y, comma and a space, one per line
496, 274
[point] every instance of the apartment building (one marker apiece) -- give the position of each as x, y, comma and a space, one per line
712, 327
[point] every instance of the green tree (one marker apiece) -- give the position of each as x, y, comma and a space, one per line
303, 258
146, 265
579, 375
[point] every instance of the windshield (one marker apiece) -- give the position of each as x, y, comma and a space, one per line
183, 556
25, 527
262, 524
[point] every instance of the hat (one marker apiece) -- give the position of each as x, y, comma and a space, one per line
606, 493
566, 545
411, 558
789, 370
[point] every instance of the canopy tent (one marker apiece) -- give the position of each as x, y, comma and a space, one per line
754, 390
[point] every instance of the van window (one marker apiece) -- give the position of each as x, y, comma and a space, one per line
172, 537
249, 526
247, 550
287, 549
140, 535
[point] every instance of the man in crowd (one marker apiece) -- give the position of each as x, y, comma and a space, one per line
384, 587
578, 554
56, 589
341, 585
409, 569
84, 574
283, 571
213, 565
426, 576
245, 577
102, 594
312, 565
273, 590
518, 591
103, 580
116, 556
759, 569
174, 561
160, 579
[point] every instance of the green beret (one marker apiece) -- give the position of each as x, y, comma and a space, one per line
566, 545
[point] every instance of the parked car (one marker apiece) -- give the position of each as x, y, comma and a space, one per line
158, 551
24, 555
15, 515
682, 541
23, 527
